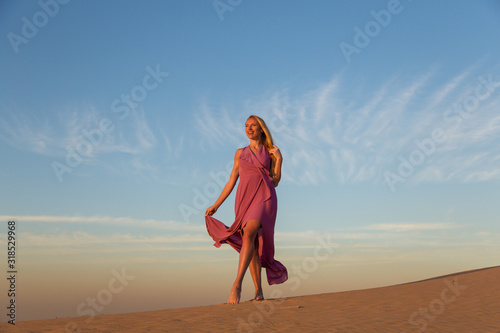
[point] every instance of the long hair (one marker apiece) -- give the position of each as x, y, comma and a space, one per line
266, 139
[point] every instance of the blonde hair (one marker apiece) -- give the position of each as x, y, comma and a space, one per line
266, 139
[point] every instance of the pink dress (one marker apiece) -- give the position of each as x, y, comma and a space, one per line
255, 199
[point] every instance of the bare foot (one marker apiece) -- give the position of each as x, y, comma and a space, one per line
234, 298
259, 295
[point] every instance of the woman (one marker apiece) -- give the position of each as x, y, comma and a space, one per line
252, 234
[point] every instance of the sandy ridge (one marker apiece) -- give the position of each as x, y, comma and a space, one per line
461, 302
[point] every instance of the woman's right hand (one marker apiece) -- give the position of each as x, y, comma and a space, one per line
211, 210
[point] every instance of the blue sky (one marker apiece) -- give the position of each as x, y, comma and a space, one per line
118, 122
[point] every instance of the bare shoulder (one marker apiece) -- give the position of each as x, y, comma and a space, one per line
238, 153
236, 164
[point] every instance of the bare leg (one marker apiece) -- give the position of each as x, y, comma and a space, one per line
255, 269
246, 253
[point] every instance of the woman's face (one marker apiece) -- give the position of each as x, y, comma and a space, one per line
252, 129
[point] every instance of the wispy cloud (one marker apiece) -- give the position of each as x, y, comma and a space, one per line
108, 220
327, 135
50, 134
217, 127
65, 241
28, 134
79, 239
405, 227
133, 146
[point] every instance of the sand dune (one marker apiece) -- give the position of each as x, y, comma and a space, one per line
461, 302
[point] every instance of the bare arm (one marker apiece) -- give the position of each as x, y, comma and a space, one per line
228, 188
277, 166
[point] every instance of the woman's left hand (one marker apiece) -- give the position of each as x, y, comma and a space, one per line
276, 152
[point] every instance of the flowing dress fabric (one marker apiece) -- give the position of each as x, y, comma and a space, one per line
255, 199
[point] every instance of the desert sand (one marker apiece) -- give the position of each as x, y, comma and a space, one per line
461, 302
